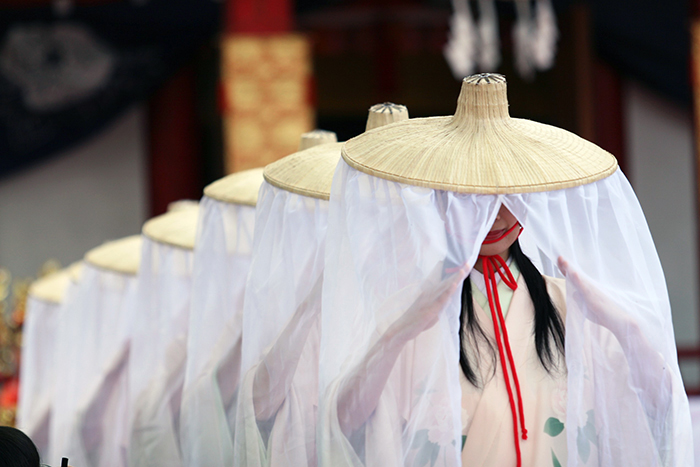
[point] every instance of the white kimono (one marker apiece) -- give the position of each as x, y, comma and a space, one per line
486, 414
487, 426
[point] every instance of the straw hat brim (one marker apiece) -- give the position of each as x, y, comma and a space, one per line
75, 271
238, 188
308, 172
122, 256
507, 156
51, 288
176, 228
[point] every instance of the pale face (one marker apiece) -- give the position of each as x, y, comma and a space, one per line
504, 221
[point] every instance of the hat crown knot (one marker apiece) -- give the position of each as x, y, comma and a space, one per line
384, 114
483, 98
316, 137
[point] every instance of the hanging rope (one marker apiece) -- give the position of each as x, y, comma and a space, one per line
493, 265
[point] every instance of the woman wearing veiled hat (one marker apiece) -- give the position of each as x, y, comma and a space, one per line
278, 391
559, 349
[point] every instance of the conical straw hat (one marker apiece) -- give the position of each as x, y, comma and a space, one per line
316, 137
310, 172
238, 188
75, 272
122, 256
480, 149
176, 228
384, 114
51, 287
307, 173
182, 204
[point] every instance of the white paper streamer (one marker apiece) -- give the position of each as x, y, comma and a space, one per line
460, 49
489, 56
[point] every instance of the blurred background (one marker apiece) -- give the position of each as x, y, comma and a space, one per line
112, 109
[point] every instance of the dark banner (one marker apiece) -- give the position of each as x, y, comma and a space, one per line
648, 40
64, 78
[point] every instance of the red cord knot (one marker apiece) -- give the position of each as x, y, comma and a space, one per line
492, 266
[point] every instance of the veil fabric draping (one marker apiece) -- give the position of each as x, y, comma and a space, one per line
222, 257
388, 242
94, 324
38, 338
281, 321
158, 353
37, 365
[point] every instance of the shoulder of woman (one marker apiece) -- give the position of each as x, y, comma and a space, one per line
556, 288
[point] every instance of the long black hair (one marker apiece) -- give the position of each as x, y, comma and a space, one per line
548, 328
16, 449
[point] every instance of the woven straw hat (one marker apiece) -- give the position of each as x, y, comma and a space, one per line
182, 204
307, 171
122, 256
310, 172
176, 228
75, 272
316, 137
480, 149
51, 287
384, 114
238, 188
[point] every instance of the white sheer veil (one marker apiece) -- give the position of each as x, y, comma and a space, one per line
287, 262
42, 316
388, 241
278, 398
159, 339
222, 256
94, 322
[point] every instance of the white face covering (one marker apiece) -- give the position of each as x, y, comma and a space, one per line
222, 257
387, 243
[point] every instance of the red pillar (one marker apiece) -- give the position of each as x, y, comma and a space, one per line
609, 112
258, 16
174, 143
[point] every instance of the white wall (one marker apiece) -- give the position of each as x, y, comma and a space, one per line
76, 200
662, 172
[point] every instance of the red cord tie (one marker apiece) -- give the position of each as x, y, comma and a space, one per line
493, 265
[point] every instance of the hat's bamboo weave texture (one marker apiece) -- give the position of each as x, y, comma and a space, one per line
310, 172
238, 188
480, 149
122, 256
384, 114
177, 228
307, 173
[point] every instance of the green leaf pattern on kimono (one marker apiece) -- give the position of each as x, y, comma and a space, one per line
554, 427
427, 455
585, 436
427, 450
555, 461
